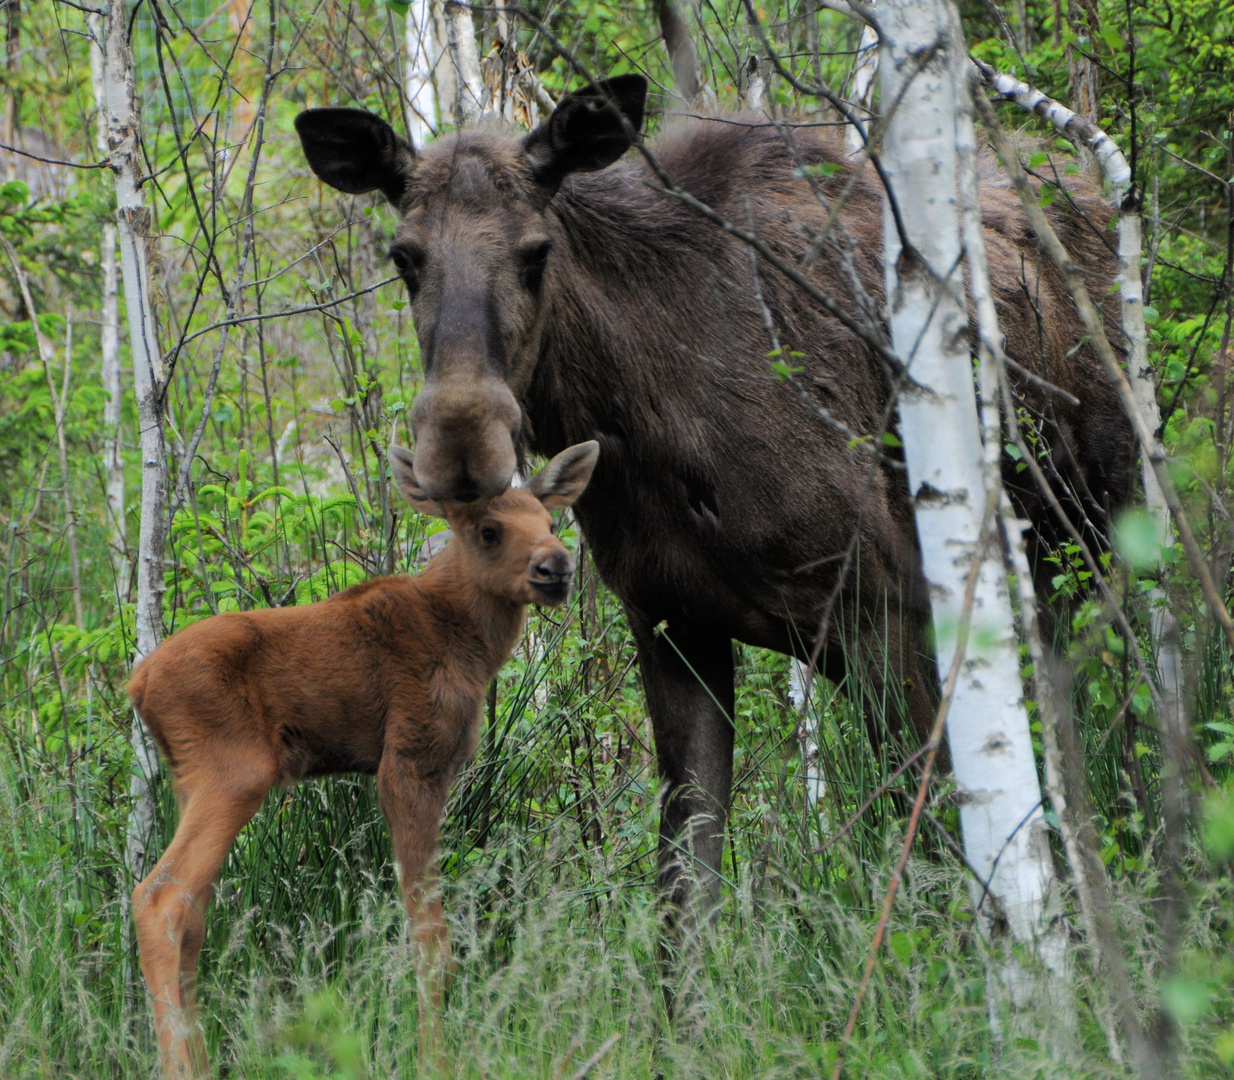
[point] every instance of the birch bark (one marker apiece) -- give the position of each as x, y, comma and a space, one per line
865, 70
465, 60
110, 342
133, 227
443, 67
1005, 836
419, 43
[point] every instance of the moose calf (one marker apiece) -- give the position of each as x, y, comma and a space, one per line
387, 677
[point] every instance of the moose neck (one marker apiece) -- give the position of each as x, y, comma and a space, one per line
606, 350
494, 622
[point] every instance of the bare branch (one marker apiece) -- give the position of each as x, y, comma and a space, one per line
55, 161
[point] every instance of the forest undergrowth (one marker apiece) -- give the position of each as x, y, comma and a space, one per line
276, 430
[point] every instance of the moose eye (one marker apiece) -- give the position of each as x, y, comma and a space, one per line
488, 535
534, 258
407, 263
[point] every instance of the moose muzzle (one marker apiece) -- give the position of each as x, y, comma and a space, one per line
466, 433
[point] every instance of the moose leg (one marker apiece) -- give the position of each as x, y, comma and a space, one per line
688, 679
412, 807
169, 909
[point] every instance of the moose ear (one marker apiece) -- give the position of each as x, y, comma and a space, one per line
355, 151
587, 130
563, 479
405, 477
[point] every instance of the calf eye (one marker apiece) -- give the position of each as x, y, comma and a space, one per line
534, 258
488, 535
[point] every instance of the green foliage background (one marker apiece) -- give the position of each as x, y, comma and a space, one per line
548, 859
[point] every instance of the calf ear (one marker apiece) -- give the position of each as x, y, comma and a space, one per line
355, 151
405, 477
586, 130
563, 479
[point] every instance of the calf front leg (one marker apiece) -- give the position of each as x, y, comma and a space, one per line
688, 679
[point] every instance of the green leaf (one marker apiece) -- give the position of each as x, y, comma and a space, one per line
1186, 999
1048, 194
901, 944
1038, 159
15, 192
1137, 538
1219, 823
785, 371
1218, 751
1111, 36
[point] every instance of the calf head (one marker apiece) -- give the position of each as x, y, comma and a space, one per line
474, 249
507, 542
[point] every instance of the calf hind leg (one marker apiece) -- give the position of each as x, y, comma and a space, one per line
412, 807
169, 909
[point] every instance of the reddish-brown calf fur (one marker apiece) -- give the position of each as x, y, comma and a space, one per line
387, 677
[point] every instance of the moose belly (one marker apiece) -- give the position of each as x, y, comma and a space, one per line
758, 568
319, 736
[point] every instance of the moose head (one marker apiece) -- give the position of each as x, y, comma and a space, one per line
477, 256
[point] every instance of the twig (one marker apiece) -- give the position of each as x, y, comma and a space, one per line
585, 1068
54, 161
882, 789
232, 298
284, 314
59, 404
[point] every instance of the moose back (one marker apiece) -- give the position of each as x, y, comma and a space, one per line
560, 294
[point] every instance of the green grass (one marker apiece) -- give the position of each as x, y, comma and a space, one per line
547, 877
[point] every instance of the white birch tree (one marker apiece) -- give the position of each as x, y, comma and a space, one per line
109, 339
133, 227
420, 45
865, 69
444, 80
1005, 835
470, 104
1113, 165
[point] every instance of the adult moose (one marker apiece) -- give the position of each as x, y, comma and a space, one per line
561, 296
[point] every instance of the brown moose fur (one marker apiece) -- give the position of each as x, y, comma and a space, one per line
386, 677
554, 305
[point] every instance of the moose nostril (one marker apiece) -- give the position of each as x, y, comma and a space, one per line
466, 490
